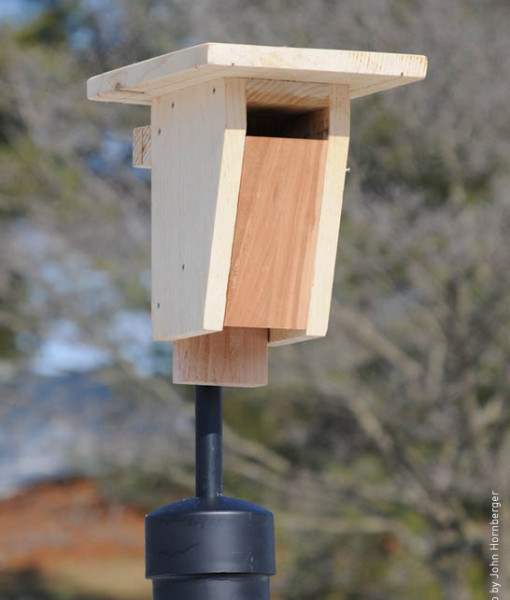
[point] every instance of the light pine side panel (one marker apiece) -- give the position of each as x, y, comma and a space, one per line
197, 147
275, 234
232, 357
329, 224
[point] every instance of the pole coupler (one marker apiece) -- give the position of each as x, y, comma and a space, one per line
209, 547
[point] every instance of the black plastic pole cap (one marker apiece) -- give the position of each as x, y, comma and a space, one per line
212, 587
210, 549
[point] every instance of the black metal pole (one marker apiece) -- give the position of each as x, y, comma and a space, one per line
208, 442
209, 547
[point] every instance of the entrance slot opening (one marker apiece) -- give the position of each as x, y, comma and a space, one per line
284, 123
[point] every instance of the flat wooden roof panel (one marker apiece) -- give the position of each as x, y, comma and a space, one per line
364, 72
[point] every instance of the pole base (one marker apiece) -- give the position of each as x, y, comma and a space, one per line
210, 549
212, 587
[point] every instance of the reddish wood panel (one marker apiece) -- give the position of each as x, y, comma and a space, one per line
275, 235
234, 356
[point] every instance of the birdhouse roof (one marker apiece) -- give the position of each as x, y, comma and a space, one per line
364, 72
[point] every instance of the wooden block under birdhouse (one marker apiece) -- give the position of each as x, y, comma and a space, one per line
232, 357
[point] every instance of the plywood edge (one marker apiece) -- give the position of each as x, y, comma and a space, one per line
382, 85
270, 59
162, 336
329, 225
285, 337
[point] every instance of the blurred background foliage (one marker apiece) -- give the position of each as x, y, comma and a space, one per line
376, 448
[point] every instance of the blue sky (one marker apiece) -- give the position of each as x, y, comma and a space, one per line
17, 10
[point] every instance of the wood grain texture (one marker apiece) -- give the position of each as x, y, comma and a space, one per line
142, 142
197, 148
275, 235
232, 357
292, 95
364, 72
329, 224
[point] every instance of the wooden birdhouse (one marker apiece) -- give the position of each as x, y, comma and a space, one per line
248, 150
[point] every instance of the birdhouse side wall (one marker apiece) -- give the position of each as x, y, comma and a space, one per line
197, 148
